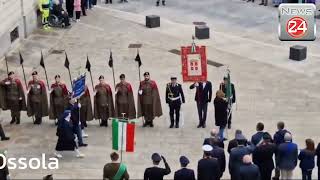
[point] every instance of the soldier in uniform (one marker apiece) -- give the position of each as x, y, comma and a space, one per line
58, 98
12, 97
124, 99
85, 110
37, 102
149, 104
103, 102
174, 97
233, 97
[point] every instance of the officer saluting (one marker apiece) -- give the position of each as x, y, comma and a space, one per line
174, 98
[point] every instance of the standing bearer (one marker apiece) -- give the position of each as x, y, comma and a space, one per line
223, 87
103, 102
124, 99
37, 102
12, 97
174, 98
44, 6
149, 105
58, 98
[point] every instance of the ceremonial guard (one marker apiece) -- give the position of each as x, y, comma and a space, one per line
124, 99
149, 104
223, 87
174, 97
103, 102
58, 98
37, 102
85, 110
12, 97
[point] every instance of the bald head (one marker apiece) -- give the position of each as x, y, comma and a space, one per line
213, 133
247, 159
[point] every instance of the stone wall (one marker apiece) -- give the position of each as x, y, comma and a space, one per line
20, 14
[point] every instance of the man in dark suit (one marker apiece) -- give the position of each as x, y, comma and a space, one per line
184, 173
257, 139
174, 97
218, 153
157, 173
223, 87
208, 167
236, 156
248, 170
214, 139
203, 97
115, 170
234, 143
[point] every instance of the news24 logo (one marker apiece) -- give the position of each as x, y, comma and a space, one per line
297, 22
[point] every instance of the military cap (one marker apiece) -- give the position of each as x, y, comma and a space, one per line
10, 73
101, 77
122, 76
207, 148
146, 74
34, 73
156, 157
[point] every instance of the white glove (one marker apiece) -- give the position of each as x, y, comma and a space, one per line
196, 84
79, 105
7, 83
140, 92
20, 98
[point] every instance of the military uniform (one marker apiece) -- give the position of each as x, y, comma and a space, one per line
13, 98
233, 98
174, 97
103, 103
149, 104
37, 102
124, 101
86, 108
58, 100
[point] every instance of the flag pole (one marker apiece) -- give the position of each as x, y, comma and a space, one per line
5, 57
70, 77
114, 80
24, 74
121, 150
139, 67
45, 70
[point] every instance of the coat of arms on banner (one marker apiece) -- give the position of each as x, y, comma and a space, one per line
194, 63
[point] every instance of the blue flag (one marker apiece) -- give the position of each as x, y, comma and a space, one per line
79, 86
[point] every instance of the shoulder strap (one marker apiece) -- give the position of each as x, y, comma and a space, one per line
122, 169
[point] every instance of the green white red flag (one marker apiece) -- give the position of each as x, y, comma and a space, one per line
123, 135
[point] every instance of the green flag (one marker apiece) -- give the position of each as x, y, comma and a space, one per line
228, 87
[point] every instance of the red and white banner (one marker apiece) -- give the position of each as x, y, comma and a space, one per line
194, 64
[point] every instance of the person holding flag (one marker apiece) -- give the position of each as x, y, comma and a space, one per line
115, 170
228, 88
58, 98
103, 102
37, 102
12, 97
149, 104
124, 101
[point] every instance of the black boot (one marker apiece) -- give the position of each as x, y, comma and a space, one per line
18, 120
13, 120
177, 124
158, 3
2, 135
163, 3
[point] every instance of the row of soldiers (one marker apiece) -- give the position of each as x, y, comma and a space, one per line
12, 98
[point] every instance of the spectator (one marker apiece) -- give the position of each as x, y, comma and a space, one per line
218, 153
212, 138
236, 156
208, 167
115, 170
278, 138
70, 7
263, 156
184, 173
4, 172
60, 13
157, 173
77, 9
287, 157
249, 171
221, 112
256, 139
318, 159
306, 158
234, 143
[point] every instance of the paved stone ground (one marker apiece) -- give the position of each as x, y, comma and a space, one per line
270, 88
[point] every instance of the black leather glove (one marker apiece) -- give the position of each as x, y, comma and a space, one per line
164, 159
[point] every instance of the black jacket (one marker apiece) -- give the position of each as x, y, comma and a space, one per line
232, 144
257, 138
263, 155
203, 95
210, 141
5, 171
208, 169
156, 173
318, 155
249, 172
223, 88
184, 174
218, 153
220, 112
174, 91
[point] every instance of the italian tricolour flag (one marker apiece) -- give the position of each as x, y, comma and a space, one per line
122, 135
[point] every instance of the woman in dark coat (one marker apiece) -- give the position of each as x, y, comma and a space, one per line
306, 158
70, 7
66, 137
221, 114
